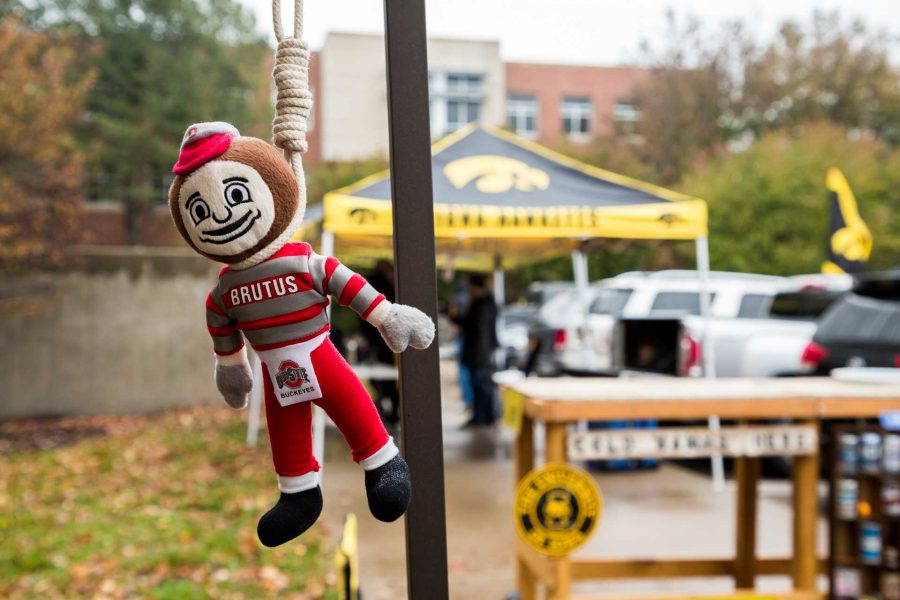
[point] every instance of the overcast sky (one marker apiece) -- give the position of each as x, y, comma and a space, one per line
569, 31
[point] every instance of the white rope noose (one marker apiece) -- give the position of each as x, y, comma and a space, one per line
293, 103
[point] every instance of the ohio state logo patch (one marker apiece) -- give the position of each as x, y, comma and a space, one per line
291, 374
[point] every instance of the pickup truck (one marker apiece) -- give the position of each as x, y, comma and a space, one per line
759, 326
590, 339
774, 346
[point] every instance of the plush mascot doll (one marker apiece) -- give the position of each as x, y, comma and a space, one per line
235, 200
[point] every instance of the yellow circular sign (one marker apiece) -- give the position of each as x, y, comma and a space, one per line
556, 508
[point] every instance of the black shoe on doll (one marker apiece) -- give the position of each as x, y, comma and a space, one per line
388, 490
290, 517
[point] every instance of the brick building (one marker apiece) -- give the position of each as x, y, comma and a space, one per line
548, 103
469, 82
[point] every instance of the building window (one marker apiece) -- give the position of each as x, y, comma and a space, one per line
456, 100
576, 117
626, 117
521, 115
463, 83
460, 113
625, 112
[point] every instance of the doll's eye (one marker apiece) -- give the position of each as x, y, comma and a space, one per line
198, 209
236, 192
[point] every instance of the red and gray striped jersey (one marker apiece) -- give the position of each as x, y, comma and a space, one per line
282, 300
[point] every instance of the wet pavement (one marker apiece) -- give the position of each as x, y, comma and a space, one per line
667, 512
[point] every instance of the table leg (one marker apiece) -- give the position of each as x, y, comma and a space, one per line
556, 442
562, 568
562, 584
806, 512
524, 462
524, 454
746, 474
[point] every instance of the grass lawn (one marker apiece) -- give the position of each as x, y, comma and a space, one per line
149, 507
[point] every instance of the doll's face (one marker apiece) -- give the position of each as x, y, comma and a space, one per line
226, 208
237, 205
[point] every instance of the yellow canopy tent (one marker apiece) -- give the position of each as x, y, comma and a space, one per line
500, 198
501, 201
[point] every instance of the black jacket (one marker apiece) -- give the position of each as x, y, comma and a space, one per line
479, 331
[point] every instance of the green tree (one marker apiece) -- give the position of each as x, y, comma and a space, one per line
768, 206
161, 65
615, 154
331, 175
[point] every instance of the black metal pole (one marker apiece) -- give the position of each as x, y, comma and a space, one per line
420, 389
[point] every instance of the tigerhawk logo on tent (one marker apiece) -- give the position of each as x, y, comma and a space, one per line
496, 174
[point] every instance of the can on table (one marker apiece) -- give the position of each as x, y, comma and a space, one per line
891, 457
847, 582
870, 452
890, 498
848, 455
870, 543
890, 586
847, 499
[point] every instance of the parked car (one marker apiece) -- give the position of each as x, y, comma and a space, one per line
561, 311
591, 340
512, 334
862, 329
774, 346
540, 293
769, 342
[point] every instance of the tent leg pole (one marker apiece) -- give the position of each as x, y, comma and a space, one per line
709, 363
580, 272
499, 281
256, 401
326, 249
500, 301
582, 285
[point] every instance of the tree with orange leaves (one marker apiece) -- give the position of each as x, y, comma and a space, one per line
40, 162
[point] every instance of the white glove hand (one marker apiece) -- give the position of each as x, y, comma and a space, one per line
406, 326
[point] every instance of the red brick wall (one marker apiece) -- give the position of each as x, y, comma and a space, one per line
104, 224
314, 155
551, 83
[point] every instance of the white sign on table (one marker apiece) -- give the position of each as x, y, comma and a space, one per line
693, 442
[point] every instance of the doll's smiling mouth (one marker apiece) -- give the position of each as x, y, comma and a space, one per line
233, 230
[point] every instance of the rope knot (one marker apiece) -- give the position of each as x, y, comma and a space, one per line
293, 101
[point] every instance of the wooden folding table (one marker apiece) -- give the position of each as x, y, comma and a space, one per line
804, 401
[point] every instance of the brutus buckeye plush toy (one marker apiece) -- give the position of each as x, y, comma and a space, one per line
236, 200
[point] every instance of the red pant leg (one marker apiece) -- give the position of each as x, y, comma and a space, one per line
347, 402
290, 433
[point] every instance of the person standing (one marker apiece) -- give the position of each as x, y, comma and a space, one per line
382, 279
458, 306
479, 331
